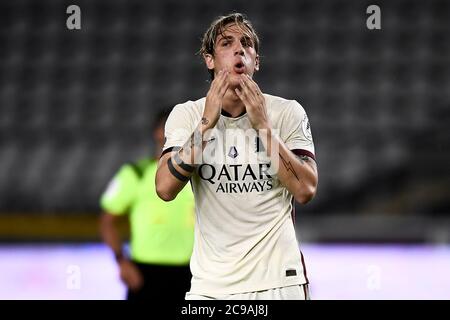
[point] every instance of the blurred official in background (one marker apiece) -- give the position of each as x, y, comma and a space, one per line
161, 233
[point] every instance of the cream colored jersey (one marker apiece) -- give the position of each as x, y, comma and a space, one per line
244, 233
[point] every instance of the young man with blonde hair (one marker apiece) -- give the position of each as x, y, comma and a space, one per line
247, 155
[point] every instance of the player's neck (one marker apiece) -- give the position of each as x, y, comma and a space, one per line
232, 104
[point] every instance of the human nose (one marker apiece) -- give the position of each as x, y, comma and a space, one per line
239, 49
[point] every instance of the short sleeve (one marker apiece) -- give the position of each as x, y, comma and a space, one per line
120, 192
178, 127
296, 130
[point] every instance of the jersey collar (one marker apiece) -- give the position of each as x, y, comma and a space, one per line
228, 115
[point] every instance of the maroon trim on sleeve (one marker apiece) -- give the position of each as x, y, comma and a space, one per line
301, 152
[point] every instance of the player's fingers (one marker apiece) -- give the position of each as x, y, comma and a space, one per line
219, 81
224, 85
253, 90
222, 79
239, 94
251, 85
244, 86
243, 97
255, 85
248, 84
216, 80
246, 89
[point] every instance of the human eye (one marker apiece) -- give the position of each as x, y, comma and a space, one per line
247, 42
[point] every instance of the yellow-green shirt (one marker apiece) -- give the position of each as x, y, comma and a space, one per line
161, 232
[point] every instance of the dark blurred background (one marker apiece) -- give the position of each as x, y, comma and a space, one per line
76, 104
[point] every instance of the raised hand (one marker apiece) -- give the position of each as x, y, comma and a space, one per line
254, 102
214, 99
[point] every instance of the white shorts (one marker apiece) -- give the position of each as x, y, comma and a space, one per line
297, 292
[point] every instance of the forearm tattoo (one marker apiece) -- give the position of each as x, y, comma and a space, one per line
205, 121
289, 167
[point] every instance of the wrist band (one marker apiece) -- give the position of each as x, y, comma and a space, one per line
175, 173
182, 165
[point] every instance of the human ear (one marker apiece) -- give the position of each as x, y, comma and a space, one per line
209, 61
257, 63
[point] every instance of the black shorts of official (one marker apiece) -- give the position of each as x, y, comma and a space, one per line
162, 283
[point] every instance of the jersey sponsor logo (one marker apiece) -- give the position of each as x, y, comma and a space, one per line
233, 187
226, 146
237, 178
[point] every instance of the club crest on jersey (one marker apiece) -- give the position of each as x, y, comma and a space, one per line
233, 152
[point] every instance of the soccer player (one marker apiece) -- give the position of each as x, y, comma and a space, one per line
161, 233
245, 244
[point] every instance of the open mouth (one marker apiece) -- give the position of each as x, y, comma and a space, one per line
239, 68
